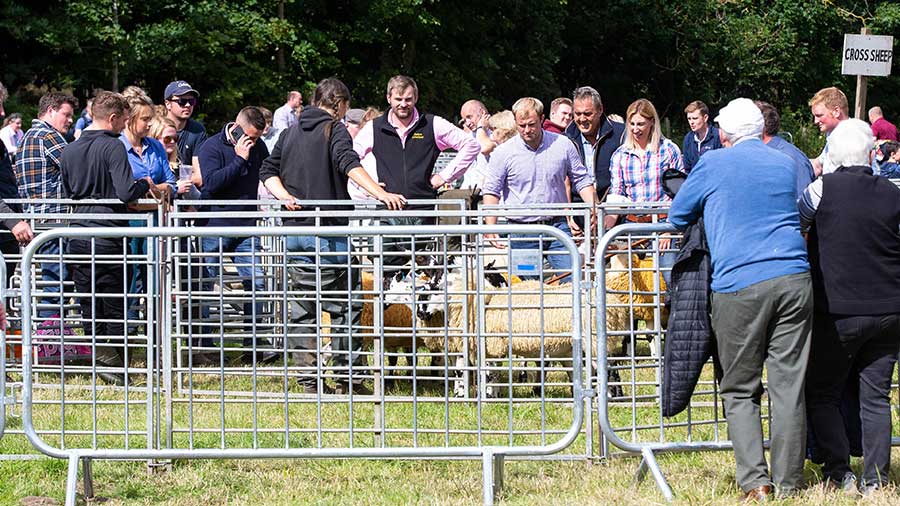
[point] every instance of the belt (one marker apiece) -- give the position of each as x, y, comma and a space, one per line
550, 221
645, 218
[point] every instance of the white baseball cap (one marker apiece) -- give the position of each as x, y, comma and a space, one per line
741, 118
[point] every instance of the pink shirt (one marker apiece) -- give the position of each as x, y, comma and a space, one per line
446, 136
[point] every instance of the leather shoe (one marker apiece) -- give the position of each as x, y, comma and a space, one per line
113, 378
758, 494
262, 357
341, 388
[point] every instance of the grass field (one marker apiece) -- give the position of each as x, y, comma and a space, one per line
696, 478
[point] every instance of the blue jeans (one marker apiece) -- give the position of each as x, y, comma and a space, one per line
334, 274
53, 272
558, 262
249, 270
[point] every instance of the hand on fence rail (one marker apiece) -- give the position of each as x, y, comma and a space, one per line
22, 232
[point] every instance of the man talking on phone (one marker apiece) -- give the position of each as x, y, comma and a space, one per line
229, 163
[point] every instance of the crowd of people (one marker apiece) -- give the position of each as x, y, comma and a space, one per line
784, 231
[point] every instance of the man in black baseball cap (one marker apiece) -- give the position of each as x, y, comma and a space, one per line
181, 101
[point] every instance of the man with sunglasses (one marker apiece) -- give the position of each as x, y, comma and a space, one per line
181, 101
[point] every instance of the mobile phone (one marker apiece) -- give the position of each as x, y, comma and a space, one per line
236, 133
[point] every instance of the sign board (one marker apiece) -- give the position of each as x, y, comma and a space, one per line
526, 262
867, 55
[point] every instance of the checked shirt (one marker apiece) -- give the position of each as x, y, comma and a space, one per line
37, 167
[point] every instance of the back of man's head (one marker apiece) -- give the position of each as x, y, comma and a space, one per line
850, 143
741, 118
875, 114
107, 103
53, 101
832, 98
771, 118
252, 116
330, 93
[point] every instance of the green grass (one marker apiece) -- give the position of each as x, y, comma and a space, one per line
696, 478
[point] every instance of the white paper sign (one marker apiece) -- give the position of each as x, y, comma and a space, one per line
867, 55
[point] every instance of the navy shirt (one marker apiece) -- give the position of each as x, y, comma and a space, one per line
190, 140
692, 149
227, 176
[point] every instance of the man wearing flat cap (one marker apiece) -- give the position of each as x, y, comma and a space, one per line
761, 293
181, 102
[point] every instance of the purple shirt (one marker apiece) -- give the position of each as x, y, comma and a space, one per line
518, 174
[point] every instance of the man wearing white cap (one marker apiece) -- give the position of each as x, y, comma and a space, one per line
761, 293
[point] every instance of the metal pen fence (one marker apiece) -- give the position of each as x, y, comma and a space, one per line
312, 405
56, 337
240, 399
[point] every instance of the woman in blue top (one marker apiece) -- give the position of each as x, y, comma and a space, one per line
147, 157
146, 154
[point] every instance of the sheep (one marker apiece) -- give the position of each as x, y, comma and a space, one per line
638, 292
397, 322
524, 300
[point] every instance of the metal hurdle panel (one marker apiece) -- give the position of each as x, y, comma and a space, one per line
261, 411
226, 304
55, 336
630, 415
4, 399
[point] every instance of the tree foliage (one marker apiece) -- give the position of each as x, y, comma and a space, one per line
239, 53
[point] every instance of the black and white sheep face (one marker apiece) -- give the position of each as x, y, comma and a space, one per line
404, 287
438, 291
435, 294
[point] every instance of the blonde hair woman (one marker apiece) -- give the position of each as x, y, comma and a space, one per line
503, 127
637, 166
146, 155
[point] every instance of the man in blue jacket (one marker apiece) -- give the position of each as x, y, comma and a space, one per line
703, 137
229, 163
595, 136
762, 294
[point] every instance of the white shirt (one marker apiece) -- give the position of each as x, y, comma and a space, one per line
284, 117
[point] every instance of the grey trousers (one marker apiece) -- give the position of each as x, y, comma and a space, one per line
767, 323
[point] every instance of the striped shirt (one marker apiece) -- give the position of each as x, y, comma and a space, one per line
637, 175
37, 166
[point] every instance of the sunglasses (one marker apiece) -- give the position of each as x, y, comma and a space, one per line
185, 101
170, 138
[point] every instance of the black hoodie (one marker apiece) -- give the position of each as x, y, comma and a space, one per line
313, 158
